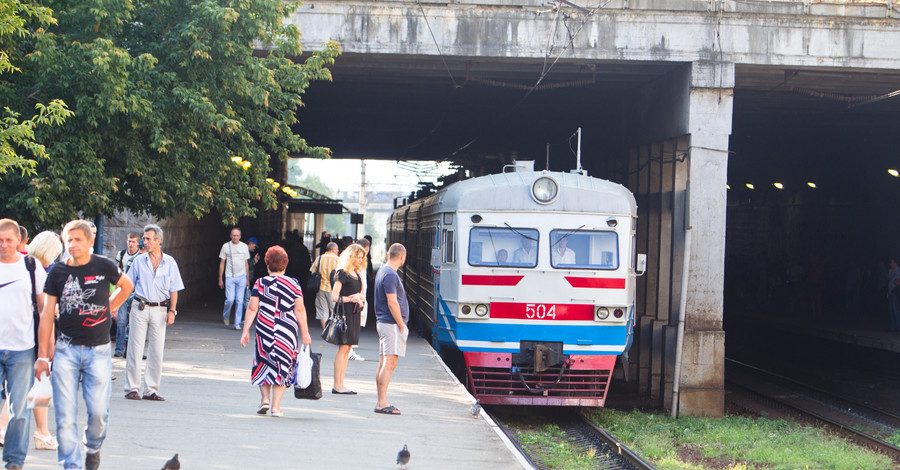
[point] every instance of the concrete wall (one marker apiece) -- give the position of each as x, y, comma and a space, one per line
193, 243
773, 33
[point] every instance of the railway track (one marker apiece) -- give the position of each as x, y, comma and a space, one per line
859, 422
587, 437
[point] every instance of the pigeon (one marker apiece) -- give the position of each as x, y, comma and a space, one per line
172, 464
476, 408
403, 457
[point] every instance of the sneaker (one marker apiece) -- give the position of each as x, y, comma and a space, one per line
118, 354
356, 357
92, 461
225, 320
238, 327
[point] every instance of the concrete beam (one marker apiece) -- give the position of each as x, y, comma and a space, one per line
505, 31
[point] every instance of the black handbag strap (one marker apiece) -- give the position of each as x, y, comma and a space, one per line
31, 266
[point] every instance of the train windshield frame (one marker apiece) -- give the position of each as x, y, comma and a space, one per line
503, 247
584, 249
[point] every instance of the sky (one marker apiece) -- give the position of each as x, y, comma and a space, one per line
381, 175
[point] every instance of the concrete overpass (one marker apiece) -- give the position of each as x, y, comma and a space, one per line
665, 90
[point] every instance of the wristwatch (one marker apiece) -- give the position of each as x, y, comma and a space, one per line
174, 313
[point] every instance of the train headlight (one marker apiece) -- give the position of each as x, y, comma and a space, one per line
602, 313
618, 313
544, 190
466, 309
481, 310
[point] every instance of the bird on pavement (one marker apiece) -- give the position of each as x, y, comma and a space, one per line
403, 457
476, 408
172, 464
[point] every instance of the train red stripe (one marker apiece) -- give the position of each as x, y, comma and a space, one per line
597, 282
484, 280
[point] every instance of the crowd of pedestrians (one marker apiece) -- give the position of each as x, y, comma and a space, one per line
70, 311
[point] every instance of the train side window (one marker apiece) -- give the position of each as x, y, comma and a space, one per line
447, 247
503, 247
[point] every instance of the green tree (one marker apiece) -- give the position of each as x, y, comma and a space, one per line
165, 94
18, 136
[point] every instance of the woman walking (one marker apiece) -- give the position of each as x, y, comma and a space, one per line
347, 290
277, 302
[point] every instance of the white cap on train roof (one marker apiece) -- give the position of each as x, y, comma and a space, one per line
512, 191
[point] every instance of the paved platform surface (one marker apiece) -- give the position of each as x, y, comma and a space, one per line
210, 417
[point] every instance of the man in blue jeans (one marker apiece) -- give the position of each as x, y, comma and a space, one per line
17, 338
81, 354
234, 276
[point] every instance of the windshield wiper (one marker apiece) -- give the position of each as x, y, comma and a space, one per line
569, 232
521, 234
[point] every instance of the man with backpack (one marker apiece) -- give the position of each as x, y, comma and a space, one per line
21, 293
123, 261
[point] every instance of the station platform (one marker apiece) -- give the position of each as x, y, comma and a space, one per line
870, 332
209, 416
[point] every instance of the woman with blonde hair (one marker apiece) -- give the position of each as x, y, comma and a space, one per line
45, 247
347, 290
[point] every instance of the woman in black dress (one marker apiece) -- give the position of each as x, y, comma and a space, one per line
347, 290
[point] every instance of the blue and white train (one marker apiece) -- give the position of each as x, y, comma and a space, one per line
531, 276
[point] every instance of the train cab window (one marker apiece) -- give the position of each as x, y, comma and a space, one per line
447, 247
503, 247
582, 249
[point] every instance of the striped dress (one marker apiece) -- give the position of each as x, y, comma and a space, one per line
276, 330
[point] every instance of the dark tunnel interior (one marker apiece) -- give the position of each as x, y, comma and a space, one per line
835, 129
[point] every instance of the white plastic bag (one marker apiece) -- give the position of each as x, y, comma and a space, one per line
304, 367
41, 393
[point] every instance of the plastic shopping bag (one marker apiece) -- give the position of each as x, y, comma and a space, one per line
314, 390
41, 393
304, 367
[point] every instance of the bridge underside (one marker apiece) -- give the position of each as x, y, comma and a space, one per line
675, 132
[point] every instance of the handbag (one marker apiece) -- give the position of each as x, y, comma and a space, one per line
335, 326
315, 281
314, 390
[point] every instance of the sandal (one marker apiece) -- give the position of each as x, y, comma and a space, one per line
277, 414
388, 410
45, 442
263, 409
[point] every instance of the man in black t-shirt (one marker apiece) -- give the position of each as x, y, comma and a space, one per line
80, 287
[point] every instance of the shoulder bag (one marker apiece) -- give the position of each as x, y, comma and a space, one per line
315, 281
335, 326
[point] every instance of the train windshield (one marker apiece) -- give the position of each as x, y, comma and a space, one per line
503, 247
583, 249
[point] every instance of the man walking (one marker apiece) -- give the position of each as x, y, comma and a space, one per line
80, 287
325, 264
392, 315
17, 337
156, 285
124, 260
234, 257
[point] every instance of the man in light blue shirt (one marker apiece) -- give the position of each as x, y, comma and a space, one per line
156, 285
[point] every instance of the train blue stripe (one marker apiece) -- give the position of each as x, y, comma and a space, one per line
612, 335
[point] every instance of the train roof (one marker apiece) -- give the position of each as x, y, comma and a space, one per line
512, 191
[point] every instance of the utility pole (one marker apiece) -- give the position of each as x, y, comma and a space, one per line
362, 198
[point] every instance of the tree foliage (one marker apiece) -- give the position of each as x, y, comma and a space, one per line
165, 93
18, 136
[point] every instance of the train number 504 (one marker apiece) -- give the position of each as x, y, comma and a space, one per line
540, 311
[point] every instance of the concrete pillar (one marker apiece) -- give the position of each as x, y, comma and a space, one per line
702, 374
318, 226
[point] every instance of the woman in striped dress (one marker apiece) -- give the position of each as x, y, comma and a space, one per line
277, 302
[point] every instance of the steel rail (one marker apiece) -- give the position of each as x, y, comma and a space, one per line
883, 415
860, 437
632, 458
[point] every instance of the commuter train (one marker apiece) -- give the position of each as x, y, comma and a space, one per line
530, 275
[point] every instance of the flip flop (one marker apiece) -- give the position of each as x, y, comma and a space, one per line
345, 392
263, 409
388, 410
